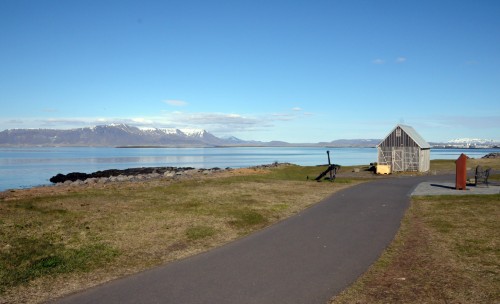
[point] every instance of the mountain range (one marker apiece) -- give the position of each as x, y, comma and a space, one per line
468, 143
108, 135
122, 135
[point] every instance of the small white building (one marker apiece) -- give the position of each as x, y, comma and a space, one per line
404, 150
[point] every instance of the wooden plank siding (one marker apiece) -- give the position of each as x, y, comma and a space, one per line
402, 152
404, 140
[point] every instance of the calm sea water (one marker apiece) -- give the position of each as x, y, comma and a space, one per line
27, 167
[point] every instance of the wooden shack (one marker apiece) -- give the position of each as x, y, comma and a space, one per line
404, 150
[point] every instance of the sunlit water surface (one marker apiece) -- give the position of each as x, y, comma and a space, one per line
27, 167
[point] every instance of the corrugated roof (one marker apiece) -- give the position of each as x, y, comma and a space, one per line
419, 140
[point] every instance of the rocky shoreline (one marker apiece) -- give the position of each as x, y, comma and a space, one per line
138, 174
492, 155
131, 175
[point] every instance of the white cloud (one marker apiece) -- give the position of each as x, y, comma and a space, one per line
217, 123
14, 121
296, 109
175, 103
67, 123
227, 123
283, 116
142, 121
207, 119
400, 59
70, 123
281, 126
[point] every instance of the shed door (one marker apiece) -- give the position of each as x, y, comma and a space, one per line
397, 160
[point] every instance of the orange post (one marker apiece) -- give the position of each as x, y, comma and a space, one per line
461, 172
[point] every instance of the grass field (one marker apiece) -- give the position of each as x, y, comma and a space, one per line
57, 240
446, 251
448, 166
61, 239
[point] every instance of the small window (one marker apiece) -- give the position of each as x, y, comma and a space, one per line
398, 132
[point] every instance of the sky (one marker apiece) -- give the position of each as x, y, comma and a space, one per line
297, 71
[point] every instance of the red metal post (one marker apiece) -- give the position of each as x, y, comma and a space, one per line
461, 172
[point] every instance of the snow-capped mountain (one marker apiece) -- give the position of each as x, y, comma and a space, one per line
125, 135
234, 140
109, 135
472, 142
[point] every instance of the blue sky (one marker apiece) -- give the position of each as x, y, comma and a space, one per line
298, 71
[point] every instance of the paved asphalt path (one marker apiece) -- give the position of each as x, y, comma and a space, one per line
305, 259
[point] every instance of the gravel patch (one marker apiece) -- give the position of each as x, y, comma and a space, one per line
448, 188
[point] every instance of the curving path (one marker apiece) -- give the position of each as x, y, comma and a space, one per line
305, 259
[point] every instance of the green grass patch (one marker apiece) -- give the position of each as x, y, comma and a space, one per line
442, 165
442, 225
247, 218
35, 206
299, 173
199, 232
25, 259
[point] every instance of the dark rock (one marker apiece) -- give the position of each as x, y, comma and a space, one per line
492, 155
143, 171
74, 176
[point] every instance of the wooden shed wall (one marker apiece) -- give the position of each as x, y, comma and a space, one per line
402, 153
403, 140
402, 158
425, 160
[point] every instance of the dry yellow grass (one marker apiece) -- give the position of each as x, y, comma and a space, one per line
447, 251
122, 228
448, 165
78, 237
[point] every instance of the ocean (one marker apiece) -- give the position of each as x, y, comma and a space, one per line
28, 167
